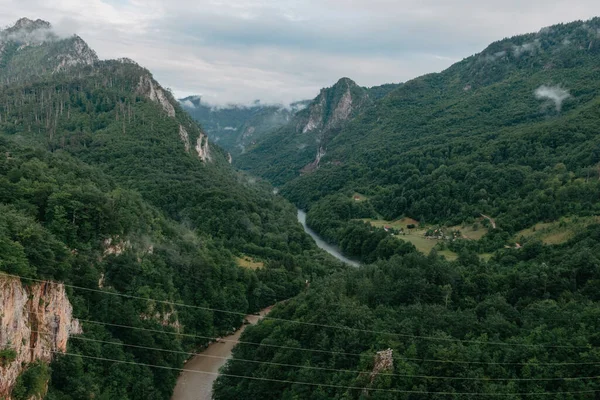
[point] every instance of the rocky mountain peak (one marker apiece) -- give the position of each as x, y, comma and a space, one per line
27, 32
29, 24
344, 81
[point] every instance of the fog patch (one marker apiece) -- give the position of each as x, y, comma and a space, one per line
27, 32
556, 94
530, 47
187, 104
493, 57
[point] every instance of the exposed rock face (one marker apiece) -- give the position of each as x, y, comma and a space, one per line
27, 33
315, 121
229, 158
154, 92
384, 361
36, 322
321, 123
115, 246
202, 148
185, 138
168, 318
79, 54
342, 110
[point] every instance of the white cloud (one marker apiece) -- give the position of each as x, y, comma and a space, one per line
187, 103
285, 50
556, 94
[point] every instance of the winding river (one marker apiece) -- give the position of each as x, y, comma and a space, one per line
199, 373
334, 251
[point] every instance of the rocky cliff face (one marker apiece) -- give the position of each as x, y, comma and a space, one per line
36, 321
37, 39
330, 111
152, 90
78, 53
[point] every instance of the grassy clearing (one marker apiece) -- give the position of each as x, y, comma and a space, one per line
450, 255
248, 262
415, 236
473, 231
557, 232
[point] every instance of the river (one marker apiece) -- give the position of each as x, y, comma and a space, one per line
334, 251
197, 385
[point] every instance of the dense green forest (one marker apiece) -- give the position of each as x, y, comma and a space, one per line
525, 322
511, 132
504, 140
99, 155
95, 154
298, 146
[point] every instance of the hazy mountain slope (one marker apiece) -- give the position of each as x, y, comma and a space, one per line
299, 146
32, 48
156, 211
236, 127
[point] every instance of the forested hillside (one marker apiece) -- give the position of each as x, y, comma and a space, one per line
106, 184
504, 140
298, 147
524, 325
510, 133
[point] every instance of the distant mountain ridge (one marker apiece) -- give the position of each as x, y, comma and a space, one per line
32, 48
304, 141
523, 104
237, 127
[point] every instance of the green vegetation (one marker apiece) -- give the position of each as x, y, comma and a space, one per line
32, 383
503, 326
248, 262
293, 149
512, 310
7, 356
445, 148
96, 185
556, 232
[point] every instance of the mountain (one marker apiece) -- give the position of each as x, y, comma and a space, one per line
236, 127
509, 133
32, 48
303, 141
108, 186
490, 168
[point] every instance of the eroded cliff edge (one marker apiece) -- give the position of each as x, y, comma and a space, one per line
36, 322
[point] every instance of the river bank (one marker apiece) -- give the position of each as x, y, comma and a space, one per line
198, 385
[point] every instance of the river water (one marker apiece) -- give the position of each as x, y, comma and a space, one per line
334, 251
198, 385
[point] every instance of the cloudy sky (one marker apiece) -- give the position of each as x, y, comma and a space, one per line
285, 50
